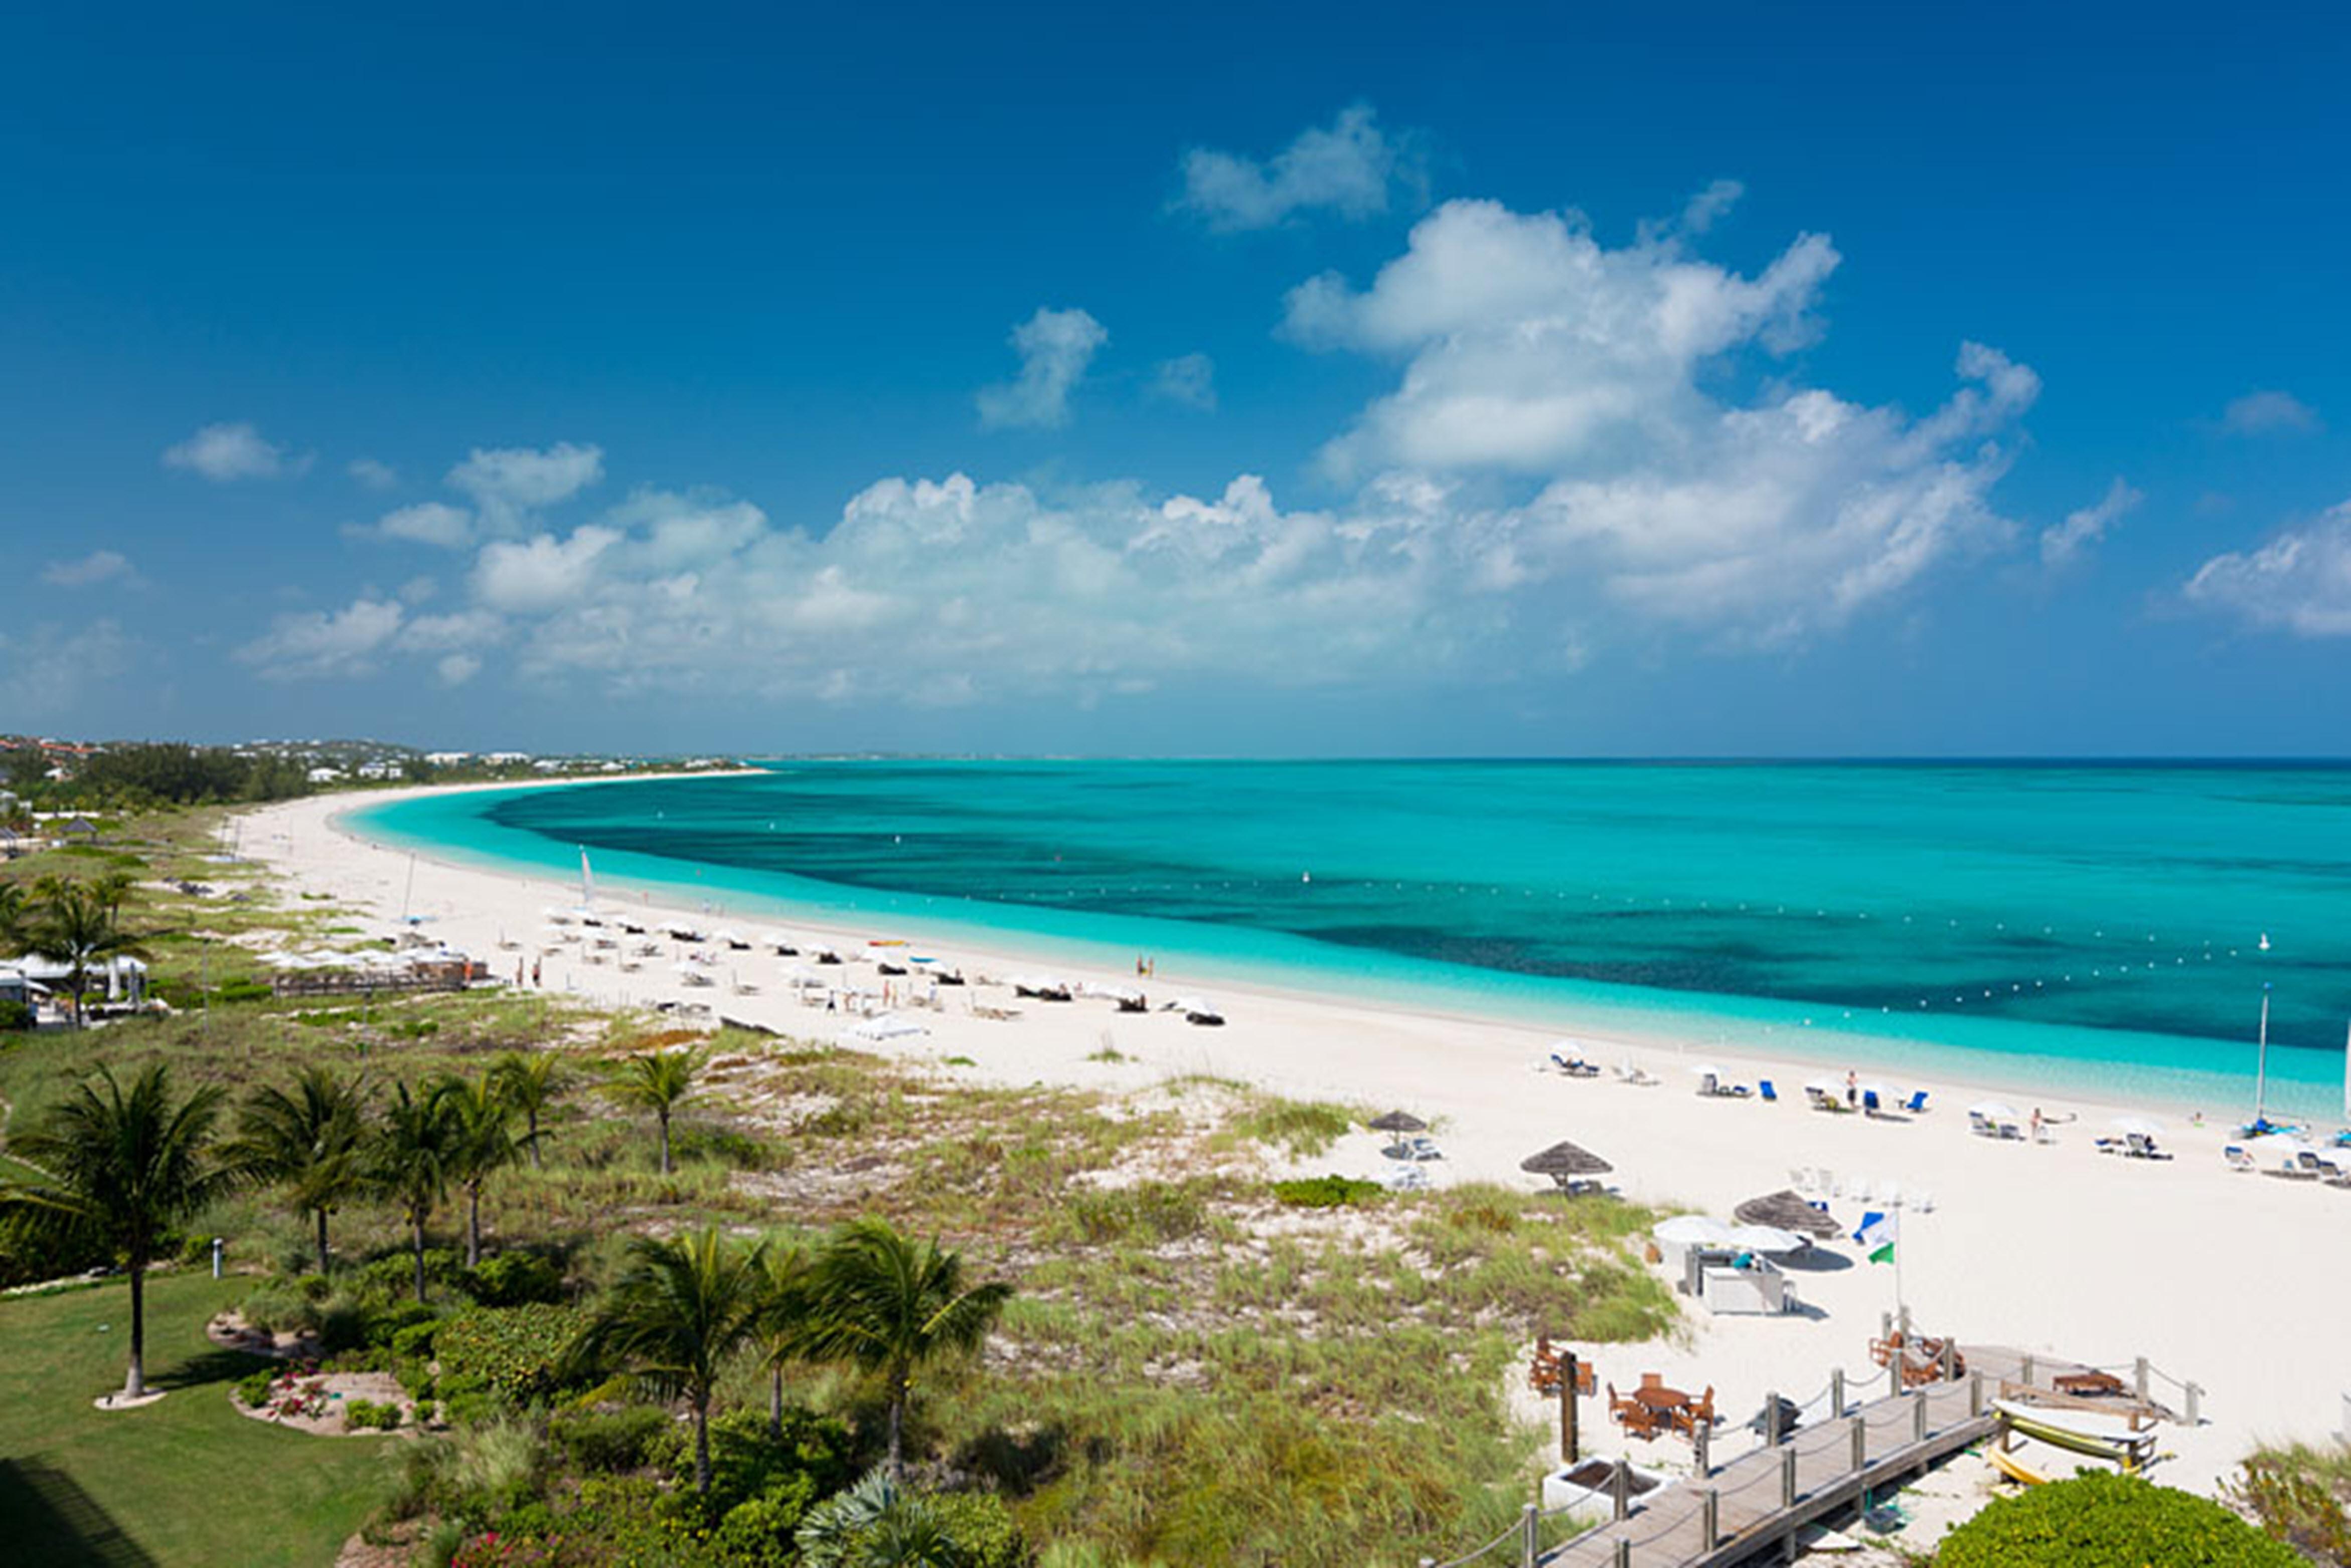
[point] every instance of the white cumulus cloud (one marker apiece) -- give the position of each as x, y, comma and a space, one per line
2268, 413
509, 483
318, 642
373, 473
1349, 168
2082, 530
98, 567
541, 573
224, 452
2299, 582
1187, 379
1055, 348
429, 523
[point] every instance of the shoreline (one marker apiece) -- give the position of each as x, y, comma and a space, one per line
2051, 1249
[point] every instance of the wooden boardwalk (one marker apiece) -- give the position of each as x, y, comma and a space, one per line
1755, 1506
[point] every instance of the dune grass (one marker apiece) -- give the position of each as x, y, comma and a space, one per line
185, 1480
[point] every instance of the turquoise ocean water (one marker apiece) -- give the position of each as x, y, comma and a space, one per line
2086, 927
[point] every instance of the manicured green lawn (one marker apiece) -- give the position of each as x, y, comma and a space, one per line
187, 1481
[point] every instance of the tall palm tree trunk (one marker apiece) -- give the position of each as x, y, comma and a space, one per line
901, 1384
473, 1225
702, 1441
664, 1142
322, 1241
776, 1402
530, 1124
416, 1219
134, 1387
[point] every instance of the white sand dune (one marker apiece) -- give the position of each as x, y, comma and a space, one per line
2235, 1282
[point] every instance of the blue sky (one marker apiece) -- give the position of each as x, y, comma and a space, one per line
1553, 380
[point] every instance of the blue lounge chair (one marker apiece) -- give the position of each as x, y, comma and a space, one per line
1771, 1095
1916, 1103
1869, 1102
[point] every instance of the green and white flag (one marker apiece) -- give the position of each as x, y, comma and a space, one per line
1878, 1233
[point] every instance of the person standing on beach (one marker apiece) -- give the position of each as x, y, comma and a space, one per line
1851, 1088
534, 973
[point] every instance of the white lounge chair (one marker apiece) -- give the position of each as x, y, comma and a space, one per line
2238, 1160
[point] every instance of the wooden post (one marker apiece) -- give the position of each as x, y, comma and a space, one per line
2138, 1379
2195, 1403
1951, 1359
1620, 1487
2024, 1373
1702, 1446
1885, 1325
1531, 1536
1788, 1476
1709, 1518
1771, 1417
1624, 1558
1860, 1445
1894, 1369
1975, 1394
1567, 1433
1836, 1390
1918, 1417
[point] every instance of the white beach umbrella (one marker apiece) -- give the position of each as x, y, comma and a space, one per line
2145, 1127
1766, 1238
1693, 1230
1993, 1110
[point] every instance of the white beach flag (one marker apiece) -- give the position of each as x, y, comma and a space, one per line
587, 881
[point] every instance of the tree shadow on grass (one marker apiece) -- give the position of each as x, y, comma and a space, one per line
46, 1518
214, 1365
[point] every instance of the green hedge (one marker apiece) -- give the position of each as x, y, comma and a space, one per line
516, 1352
2104, 1521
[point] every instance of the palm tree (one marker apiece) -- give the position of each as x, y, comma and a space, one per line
12, 911
411, 1157
529, 1081
678, 1314
875, 1523
891, 1306
127, 1165
72, 925
482, 1143
312, 1141
783, 1326
656, 1081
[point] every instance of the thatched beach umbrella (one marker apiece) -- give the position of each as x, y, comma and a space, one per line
1566, 1163
1784, 1210
1397, 1122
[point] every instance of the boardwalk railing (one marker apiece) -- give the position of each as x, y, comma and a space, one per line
1836, 1456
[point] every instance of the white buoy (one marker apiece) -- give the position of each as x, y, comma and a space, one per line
1306, 876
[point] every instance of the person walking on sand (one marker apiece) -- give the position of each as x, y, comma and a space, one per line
1851, 1088
533, 974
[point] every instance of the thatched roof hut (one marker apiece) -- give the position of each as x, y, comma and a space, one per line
1784, 1210
1398, 1121
1566, 1163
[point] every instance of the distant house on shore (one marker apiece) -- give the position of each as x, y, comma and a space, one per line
77, 830
325, 774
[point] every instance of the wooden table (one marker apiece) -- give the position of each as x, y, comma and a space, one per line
2088, 1384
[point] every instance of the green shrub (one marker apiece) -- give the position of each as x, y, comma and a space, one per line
1326, 1192
745, 1462
2100, 1520
242, 991
253, 1389
16, 1017
392, 1277
515, 1352
314, 1286
402, 1335
515, 1280
1148, 1213
2301, 1495
612, 1441
1300, 1126
367, 1416
981, 1527
272, 1309
342, 1324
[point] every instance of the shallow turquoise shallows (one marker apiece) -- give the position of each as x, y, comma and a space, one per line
2079, 926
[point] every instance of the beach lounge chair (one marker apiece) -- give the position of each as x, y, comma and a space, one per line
1628, 1074
2140, 1146
2238, 1160
1573, 1066
1869, 1107
1981, 1125
1771, 1095
1916, 1103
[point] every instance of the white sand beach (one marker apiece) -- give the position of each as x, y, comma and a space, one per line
2236, 1281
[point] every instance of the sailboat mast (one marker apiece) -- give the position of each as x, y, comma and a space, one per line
2262, 1066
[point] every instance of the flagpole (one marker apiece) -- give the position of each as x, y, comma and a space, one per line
2261, 1064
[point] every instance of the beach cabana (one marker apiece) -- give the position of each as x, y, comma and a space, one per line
1784, 1210
1571, 1167
1397, 1122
